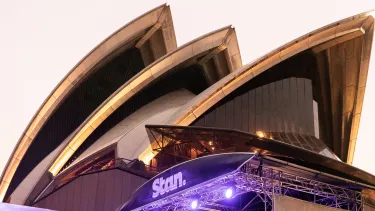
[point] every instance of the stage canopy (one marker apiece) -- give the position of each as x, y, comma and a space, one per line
241, 181
186, 176
301, 150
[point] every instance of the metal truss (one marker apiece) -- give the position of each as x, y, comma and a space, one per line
270, 182
266, 183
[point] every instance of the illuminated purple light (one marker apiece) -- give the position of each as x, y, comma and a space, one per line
229, 193
194, 204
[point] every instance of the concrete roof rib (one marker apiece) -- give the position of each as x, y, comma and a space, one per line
107, 47
318, 40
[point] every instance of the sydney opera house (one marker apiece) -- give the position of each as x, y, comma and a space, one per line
142, 124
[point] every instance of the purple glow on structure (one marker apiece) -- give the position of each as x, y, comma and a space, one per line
194, 204
229, 193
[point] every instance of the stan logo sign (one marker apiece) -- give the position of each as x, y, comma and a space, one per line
161, 185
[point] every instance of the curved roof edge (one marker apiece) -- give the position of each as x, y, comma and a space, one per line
109, 45
219, 39
26, 187
337, 32
171, 100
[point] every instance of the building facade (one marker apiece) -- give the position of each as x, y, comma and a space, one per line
88, 140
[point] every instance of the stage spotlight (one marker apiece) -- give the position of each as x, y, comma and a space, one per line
229, 193
194, 204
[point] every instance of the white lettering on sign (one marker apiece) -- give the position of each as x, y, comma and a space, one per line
160, 186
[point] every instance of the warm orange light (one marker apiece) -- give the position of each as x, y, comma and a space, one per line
213, 148
260, 134
210, 143
147, 156
3, 188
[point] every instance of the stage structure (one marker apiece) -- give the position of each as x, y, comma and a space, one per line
253, 185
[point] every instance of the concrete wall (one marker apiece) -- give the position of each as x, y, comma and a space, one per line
12, 207
284, 203
368, 208
281, 106
101, 191
158, 110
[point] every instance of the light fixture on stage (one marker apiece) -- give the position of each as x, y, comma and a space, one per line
260, 134
194, 204
228, 193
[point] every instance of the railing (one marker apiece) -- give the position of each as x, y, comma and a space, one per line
137, 167
132, 166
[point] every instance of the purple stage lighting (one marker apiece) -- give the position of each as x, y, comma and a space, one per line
194, 204
229, 193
